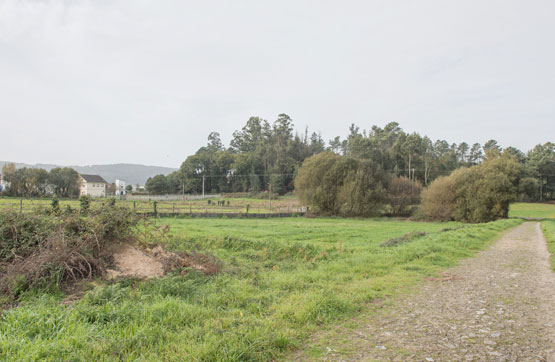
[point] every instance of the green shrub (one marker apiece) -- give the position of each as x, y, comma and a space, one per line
85, 203
479, 193
402, 194
50, 249
342, 186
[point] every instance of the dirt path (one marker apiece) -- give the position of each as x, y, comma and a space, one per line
497, 306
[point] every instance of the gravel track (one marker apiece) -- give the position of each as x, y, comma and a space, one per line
497, 306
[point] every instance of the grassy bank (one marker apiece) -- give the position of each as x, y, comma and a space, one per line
281, 280
524, 209
548, 228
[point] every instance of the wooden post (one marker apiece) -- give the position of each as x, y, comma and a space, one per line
20, 206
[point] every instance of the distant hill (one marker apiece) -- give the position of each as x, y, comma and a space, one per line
130, 173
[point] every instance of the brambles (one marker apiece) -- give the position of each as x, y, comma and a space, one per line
85, 203
39, 250
55, 206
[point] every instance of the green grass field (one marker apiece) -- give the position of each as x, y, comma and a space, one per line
235, 205
523, 209
281, 280
548, 228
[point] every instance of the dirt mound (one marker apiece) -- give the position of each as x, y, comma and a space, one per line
130, 261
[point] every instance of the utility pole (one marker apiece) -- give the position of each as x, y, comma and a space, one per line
203, 177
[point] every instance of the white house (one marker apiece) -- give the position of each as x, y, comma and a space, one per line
93, 185
120, 187
3, 184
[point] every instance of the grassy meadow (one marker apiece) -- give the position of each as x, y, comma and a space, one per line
210, 205
281, 280
524, 209
548, 228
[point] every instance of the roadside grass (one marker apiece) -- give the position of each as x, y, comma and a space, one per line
525, 209
281, 281
548, 228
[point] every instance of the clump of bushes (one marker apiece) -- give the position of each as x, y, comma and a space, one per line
403, 195
479, 193
343, 186
42, 250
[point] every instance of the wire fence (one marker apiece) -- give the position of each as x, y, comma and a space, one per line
199, 207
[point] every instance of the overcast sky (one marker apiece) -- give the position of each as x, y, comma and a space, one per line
107, 81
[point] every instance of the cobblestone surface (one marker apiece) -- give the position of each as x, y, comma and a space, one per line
497, 306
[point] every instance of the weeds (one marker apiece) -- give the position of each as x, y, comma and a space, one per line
548, 228
39, 250
265, 303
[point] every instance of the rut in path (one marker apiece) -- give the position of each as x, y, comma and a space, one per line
497, 306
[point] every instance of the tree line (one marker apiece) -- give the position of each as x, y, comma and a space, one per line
36, 182
263, 154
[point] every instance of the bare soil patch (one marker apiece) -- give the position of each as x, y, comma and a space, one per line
130, 261
497, 306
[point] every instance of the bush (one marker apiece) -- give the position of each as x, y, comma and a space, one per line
40, 249
85, 203
438, 200
364, 191
480, 193
319, 180
341, 186
402, 194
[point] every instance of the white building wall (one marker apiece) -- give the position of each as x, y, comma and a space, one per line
93, 189
120, 187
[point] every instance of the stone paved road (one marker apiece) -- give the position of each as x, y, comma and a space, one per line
497, 306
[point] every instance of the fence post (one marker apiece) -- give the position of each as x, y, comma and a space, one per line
154, 205
20, 206
173, 209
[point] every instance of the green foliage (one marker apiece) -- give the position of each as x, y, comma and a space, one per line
548, 228
55, 206
157, 185
85, 203
21, 234
50, 249
438, 200
339, 185
402, 194
25, 182
65, 181
540, 163
320, 179
264, 305
364, 190
476, 194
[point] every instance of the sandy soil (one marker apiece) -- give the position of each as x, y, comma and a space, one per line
132, 262
497, 306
